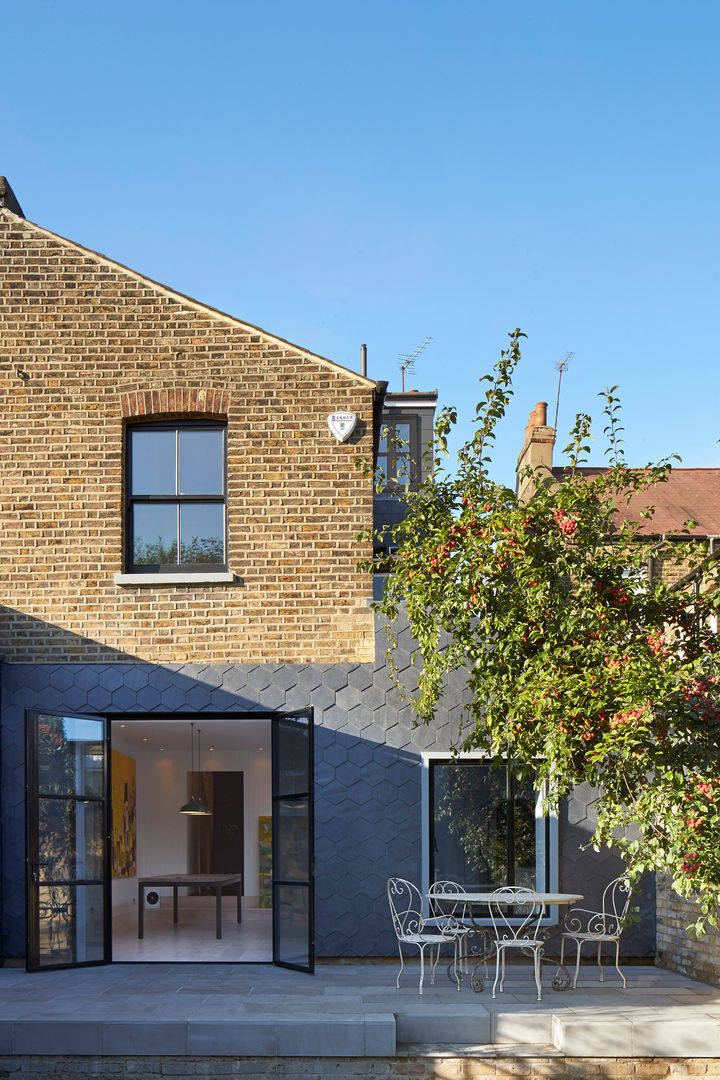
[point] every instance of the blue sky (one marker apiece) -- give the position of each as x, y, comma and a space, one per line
346, 172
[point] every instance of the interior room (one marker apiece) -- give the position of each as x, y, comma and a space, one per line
191, 797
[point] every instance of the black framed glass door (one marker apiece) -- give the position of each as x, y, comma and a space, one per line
68, 892
292, 825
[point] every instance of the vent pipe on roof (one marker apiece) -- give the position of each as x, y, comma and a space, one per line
363, 360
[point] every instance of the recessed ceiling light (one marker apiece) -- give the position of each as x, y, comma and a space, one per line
122, 725
261, 747
144, 740
211, 747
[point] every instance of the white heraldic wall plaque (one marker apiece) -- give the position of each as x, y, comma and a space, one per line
342, 424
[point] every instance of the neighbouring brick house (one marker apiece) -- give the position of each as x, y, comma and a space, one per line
179, 528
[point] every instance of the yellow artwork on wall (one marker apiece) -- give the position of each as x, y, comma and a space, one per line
124, 836
265, 861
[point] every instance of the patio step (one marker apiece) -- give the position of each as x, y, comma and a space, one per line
297, 1035
619, 1035
428, 1024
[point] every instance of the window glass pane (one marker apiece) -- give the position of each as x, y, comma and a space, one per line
70, 755
292, 924
152, 454
524, 833
71, 924
72, 839
200, 463
291, 847
402, 469
402, 437
291, 759
202, 533
154, 539
480, 839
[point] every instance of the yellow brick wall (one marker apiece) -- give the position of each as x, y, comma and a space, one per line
677, 950
79, 339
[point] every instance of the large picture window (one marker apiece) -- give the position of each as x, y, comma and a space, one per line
176, 497
486, 828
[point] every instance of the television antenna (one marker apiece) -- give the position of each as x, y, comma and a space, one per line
561, 366
407, 363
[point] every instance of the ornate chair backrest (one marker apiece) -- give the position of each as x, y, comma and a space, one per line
516, 913
405, 907
448, 899
615, 904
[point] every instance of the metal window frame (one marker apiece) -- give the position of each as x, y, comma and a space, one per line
546, 823
391, 420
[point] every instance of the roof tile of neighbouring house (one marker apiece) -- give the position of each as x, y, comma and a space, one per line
687, 494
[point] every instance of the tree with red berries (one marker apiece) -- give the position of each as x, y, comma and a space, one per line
577, 667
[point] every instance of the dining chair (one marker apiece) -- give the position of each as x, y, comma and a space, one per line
449, 898
411, 929
516, 915
582, 925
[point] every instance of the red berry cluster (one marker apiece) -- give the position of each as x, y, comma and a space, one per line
565, 523
658, 644
623, 719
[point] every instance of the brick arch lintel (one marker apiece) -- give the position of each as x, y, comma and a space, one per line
174, 400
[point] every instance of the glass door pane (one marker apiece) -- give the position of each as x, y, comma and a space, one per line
292, 755
67, 815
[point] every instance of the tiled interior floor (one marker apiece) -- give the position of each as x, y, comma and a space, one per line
193, 937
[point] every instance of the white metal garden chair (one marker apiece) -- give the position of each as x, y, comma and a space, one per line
516, 915
582, 925
450, 898
411, 929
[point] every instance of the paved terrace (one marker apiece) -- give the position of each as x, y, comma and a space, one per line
349, 1010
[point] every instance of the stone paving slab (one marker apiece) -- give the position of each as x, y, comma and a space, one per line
346, 1010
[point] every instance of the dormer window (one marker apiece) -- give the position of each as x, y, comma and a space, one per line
397, 461
176, 497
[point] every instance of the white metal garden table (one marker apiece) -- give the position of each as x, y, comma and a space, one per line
480, 943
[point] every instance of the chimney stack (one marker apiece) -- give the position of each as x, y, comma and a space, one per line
537, 451
7, 198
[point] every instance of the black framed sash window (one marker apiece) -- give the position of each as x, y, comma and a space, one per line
176, 496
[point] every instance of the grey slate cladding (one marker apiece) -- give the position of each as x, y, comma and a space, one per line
367, 778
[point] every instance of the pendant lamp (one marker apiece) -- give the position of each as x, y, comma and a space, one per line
194, 807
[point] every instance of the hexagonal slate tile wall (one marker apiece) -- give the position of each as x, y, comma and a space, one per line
368, 768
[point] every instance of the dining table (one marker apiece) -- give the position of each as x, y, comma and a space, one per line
218, 882
480, 942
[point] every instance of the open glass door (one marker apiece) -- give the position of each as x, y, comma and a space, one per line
292, 805
68, 877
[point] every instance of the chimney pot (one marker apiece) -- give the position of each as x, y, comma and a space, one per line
538, 449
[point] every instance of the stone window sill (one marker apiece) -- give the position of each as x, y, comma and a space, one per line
223, 577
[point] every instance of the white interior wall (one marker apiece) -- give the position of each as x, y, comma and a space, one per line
162, 829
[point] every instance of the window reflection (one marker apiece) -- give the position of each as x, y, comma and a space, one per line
200, 462
155, 534
484, 831
202, 533
153, 462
